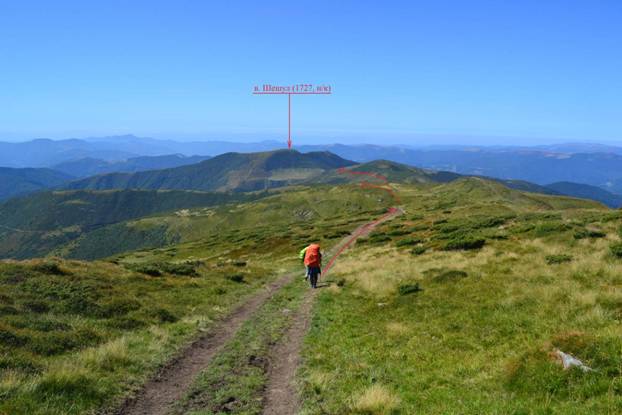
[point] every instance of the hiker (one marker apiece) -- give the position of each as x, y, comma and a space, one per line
313, 262
301, 255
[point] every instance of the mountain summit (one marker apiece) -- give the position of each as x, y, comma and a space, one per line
227, 172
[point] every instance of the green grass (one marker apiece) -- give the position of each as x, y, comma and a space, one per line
81, 335
75, 336
463, 319
440, 331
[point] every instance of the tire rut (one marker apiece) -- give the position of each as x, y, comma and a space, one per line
159, 395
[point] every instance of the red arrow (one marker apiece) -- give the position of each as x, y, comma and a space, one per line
289, 121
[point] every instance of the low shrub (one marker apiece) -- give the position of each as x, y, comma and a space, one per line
183, 268
164, 315
398, 232
378, 237
405, 289
149, 269
118, 307
557, 259
49, 267
19, 362
450, 275
549, 228
451, 227
418, 250
239, 278
8, 337
40, 323
55, 342
587, 233
337, 234
408, 242
36, 306
616, 249
7, 310
464, 243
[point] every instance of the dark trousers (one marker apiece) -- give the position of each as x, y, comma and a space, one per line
314, 273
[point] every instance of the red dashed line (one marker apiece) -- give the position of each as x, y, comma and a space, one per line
360, 231
369, 226
367, 185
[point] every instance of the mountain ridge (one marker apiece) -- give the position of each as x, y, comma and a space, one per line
229, 171
19, 181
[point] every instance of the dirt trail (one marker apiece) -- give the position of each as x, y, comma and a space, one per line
281, 396
160, 394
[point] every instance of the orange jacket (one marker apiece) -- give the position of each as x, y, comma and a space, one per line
313, 256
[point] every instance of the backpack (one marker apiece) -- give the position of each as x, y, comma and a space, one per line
313, 257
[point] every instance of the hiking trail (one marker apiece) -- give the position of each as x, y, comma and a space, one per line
281, 396
160, 394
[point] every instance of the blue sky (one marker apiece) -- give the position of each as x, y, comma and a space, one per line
402, 72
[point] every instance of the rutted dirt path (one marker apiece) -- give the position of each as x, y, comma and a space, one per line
160, 394
281, 396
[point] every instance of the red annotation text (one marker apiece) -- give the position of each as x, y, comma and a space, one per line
296, 89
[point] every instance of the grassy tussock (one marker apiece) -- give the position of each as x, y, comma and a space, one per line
376, 400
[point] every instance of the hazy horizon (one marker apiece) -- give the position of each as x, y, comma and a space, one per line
418, 140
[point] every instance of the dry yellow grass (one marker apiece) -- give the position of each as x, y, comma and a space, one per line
376, 400
107, 356
396, 328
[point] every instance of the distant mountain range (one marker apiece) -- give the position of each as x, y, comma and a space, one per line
591, 167
593, 164
91, 167
533, 165
48, 153
260, 171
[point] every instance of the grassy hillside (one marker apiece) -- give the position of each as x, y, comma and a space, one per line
459, 305
267, 222
401, 173
230, 171
97, 224
76, 336
587, 192
464, 295
15, 182
36, 224
391, 171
